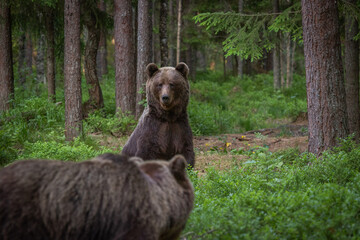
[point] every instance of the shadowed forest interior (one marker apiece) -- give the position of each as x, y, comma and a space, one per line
273, 108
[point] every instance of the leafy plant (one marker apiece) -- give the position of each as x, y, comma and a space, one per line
284, 195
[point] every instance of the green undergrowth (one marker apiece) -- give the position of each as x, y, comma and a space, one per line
34, 127
236, 105
283, 195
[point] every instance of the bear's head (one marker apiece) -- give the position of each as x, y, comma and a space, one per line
167, 88
162, 172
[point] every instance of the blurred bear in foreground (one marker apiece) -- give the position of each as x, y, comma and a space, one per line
109, 197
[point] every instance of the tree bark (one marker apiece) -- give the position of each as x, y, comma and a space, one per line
72, 70
276, 53
172, 34
288, 59
125, 75
50, 55
178, 32
6, 66
352, 74
40, 60
282, 60
101, 57
96, 100
163, 33
324, 75
144, 46
292, 63
21, 60
28, 53
240, 64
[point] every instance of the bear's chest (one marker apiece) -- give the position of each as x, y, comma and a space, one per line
170, 137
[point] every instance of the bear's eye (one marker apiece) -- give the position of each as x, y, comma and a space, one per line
172, 85
160, 85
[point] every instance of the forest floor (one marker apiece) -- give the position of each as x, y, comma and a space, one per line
218, 151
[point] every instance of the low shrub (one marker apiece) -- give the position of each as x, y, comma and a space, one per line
283, 195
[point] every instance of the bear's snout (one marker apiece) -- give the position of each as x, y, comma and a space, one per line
165, 98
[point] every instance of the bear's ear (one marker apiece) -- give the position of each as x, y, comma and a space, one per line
136, 160
183, 69
151, 69
177, 167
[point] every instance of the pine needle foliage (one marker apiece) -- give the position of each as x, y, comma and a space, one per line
249, 34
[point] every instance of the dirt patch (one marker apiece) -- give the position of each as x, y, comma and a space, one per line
215, 150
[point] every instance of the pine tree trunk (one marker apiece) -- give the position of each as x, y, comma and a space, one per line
178, 31
101, 57
6, 66
276, 53
21, 60
200, 55
288, 60
144, 46
352, 74
72, 70
240, 67
163, 33
172, 34
96, 100
28, 53
125, 72
50, 55
292, 64
282, 61
324, 75
40, 59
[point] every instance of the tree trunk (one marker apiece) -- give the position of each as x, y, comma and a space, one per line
101, 57
324, 74
21, 60
178, 32
288, 60
276, 53
125, 72
352, 74
72, 70
96, 100
282, 60
240, 64
28, 53
6, 66
201, 59
50, 55
163, 33
224, 65
40, 60
292, 64
172, 34
144, 46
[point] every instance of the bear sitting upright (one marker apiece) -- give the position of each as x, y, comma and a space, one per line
163, 129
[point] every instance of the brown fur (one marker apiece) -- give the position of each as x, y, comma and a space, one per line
110, 197
163, 129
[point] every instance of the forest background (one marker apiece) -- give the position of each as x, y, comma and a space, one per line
71, 87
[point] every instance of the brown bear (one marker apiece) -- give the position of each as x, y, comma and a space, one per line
109, 197
163, 129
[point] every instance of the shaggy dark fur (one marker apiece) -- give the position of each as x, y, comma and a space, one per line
163, 129
110, 197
